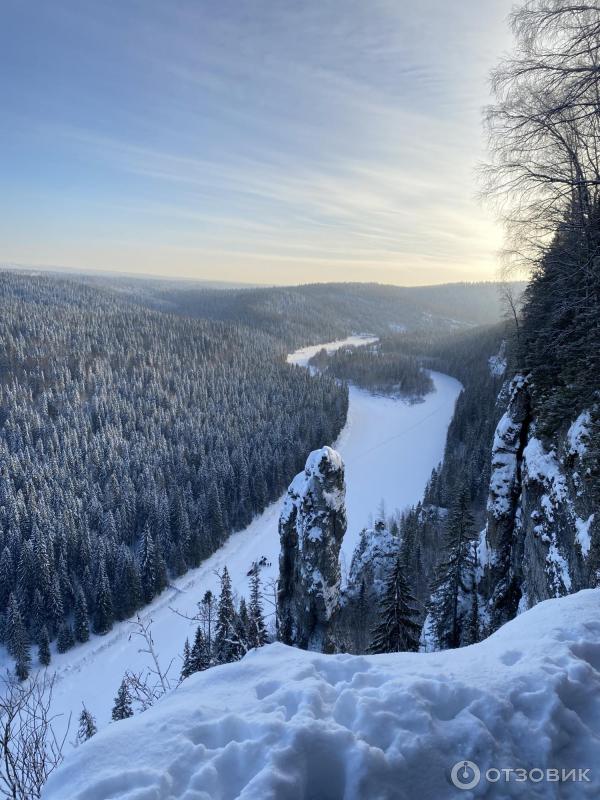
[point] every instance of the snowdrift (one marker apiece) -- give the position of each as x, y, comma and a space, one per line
285, 724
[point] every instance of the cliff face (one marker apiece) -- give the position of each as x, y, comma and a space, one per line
542, 528
311, 528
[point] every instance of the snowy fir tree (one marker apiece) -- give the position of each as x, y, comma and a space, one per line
122, 708
81, 621
397, 629
44, 655
186, 670
87, 726
17, 640
257, 632
153, 571
226, 646
206, 609
452, 606
200, 658
241, 627
103, 613
65, 640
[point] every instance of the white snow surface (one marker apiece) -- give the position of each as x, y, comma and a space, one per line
578, 434
504, 465
543, 466
389, 448
302, 357
582, 527
287, 724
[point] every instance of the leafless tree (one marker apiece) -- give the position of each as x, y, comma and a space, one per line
152, 682
30, 747
544, 128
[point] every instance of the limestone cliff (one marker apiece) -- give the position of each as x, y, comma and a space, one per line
311, 528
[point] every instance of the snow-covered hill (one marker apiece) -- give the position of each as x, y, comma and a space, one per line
285, 724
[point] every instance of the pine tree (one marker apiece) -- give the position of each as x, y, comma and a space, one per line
87, 726
397, 629
225, 647
103, 614
362, 634
66, 639
451, 604
153, 570
257, 633
215, 516
186, 670
207, 613
199, 654
44, 647
7, 576
241, 627
82, 626
122, 708
23, 663
17, 641
56, 609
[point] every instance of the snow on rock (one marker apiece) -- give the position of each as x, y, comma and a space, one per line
543, 466
311, 528
497, 364
498, 567
544, 481
578, 435
372, 560
583, 533
505, 450
286, 724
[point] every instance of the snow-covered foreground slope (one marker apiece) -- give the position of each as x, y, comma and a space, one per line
389, 448
286, 724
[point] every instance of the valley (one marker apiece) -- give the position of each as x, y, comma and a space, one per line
389, 448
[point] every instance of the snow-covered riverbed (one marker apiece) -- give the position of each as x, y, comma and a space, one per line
389, 448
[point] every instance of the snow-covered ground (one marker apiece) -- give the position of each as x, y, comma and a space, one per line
389, 448
287, 724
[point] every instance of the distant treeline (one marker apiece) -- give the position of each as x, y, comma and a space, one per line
313, 313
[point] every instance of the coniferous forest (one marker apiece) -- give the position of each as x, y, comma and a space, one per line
131, 444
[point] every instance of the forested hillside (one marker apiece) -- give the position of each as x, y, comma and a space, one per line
131, 444
309, 314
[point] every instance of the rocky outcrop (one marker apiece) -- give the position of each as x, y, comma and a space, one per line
498, 550
372, 560
542, 527
311, 528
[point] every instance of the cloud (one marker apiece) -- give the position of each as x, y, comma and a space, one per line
324, 137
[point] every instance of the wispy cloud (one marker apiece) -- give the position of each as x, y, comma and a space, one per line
329, 140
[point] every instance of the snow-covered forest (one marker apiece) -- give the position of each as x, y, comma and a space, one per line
132, 443
327, 541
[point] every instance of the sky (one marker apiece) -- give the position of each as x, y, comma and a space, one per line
261, 141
